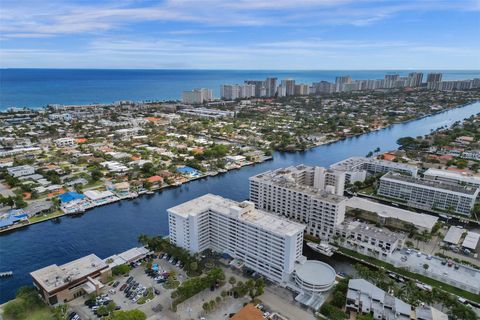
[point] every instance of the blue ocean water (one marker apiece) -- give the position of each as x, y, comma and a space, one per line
40, 87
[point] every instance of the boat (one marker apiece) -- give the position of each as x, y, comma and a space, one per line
6, 274
322, 248
150, 192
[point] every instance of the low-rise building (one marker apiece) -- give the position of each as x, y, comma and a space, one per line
368, 239
358, 168
428, 194
366, 298
20, 171
65, 142
452, 177
60, 284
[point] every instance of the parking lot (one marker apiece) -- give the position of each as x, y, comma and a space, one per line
438, 268
138, 290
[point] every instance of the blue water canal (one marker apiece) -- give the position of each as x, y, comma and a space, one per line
114, 228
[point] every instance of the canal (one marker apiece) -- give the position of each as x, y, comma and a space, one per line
114, 228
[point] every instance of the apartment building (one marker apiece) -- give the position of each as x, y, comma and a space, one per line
452, 177
428, 194
358, 168
366, 238
264, 242
301, 193
197, 96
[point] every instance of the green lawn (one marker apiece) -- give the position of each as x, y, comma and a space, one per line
46, 216
422, 278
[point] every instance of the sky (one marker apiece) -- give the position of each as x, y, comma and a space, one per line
241, 34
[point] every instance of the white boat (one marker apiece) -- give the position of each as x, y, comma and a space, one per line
322, 248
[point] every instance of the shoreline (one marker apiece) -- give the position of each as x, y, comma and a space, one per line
269, 158
60, 213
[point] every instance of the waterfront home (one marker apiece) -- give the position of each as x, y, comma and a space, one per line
12, 217
71, 202
98, 198
122, 189
188, 171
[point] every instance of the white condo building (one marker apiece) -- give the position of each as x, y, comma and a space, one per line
428, 194
310, 195
197, 96
265, 242
358, 168
452, 177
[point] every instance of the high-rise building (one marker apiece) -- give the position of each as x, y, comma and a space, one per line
271, 87
289, 85
434, 81
235, 91
415, 79
259, 84
301, 89
197, 96
323, 87
302, 193
266, 243
434, 77
281, 91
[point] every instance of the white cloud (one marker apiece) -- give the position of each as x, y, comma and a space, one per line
40, 18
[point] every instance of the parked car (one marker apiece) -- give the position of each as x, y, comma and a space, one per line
123, 287
116, 283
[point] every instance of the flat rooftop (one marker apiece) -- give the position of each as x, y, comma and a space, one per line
290, 177
454, 234
54, 277
372, 231
430, 183
357, 163
231, 208
453, 175
424, 221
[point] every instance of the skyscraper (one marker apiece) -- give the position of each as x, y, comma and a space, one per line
197, 96
415, 79
289, 85
271, 87
434, 77
258, 86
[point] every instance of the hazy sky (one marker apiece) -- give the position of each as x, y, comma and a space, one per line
241, 34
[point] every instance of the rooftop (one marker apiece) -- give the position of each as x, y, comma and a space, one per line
291, 178
54, 277
453, 175
357, 163
316, 273
454, 234
424, 221
243, 211
430, 183
372, 231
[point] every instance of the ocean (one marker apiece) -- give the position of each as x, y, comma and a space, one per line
37, 88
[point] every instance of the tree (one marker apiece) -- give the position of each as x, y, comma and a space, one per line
232, 280
426, 266
60, 312
128, 315
193, 266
